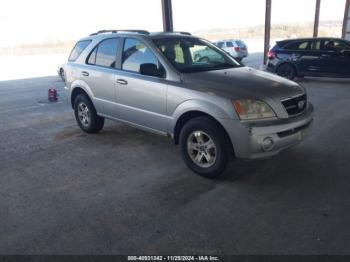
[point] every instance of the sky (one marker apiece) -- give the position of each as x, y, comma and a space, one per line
39, 21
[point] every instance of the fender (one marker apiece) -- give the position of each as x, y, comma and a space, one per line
80, 84
209, 108
223, 117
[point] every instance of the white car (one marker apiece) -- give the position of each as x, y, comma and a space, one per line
236, 48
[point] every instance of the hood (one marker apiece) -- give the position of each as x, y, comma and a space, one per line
243, 82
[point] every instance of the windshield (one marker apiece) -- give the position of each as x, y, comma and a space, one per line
194, 55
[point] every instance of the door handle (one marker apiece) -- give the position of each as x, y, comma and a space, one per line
84, 73
325, 55
122, 81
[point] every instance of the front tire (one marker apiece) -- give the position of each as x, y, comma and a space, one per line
204, 146
86, 116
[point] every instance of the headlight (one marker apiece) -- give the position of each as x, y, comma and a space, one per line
252, 109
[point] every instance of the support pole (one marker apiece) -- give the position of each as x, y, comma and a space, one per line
167, 16
317, 17
346, 20
267, 29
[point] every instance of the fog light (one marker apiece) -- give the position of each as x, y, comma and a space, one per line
267, 144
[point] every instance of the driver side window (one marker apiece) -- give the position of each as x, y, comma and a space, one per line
136, 53
333, 45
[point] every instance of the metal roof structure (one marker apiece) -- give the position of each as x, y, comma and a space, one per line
168, 21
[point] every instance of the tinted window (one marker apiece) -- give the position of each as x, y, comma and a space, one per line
316, 45
297, 46
332, 45
220, 44
92, 57
106, 53
78, 49
136, 53
229, 44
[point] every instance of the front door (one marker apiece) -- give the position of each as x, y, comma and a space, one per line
335, 57
141, 99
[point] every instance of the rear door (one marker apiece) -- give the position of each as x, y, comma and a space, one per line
303, 56
100, 72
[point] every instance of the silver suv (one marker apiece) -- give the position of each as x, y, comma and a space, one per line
236, 48
213, 108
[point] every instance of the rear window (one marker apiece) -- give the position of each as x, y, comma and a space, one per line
240, 43
78, 49
229, 44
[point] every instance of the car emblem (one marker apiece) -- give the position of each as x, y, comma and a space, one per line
301, 104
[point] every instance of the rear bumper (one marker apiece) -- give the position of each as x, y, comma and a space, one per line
260, 140
270, 67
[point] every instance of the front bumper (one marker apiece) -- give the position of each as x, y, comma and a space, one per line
264, 139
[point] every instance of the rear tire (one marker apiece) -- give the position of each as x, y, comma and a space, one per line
287, 71
204, 146
86, 116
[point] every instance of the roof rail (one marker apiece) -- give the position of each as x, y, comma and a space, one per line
183, 33
173, 32
118, 31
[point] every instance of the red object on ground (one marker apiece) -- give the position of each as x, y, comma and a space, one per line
52, 94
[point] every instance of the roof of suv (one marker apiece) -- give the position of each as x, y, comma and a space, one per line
309, 39
133, 32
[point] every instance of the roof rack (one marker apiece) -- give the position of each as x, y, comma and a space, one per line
172, 32
144, 32
183, 33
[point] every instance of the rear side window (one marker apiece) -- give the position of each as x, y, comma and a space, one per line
229, 44
105, 53
304, 45
220, 44
78, 49
316, 45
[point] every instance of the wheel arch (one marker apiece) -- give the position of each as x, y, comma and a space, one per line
77, 91
289, 63
187, 116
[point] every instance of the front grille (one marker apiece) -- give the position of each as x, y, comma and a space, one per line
295, 105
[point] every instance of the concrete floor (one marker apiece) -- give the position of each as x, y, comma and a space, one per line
125, 191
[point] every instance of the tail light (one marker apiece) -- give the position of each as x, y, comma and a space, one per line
237, 49
271, 55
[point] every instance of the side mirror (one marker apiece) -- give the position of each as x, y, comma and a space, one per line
150, 69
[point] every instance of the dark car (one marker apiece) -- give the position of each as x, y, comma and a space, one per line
329, 57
